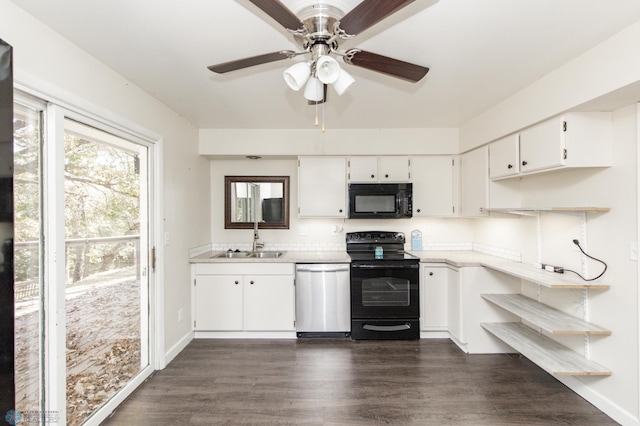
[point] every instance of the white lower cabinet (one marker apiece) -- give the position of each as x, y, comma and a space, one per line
434, 282
244, 297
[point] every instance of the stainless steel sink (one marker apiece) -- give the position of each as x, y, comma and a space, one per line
234, 254
245, 254
267, 254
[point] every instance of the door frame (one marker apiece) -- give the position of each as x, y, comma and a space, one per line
54, 267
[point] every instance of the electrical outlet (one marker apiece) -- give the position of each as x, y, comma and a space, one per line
180, 315
303, 230
427, 231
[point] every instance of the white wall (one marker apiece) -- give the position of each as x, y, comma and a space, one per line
613, 64
292, 142
608, 236
319, 230
51, 65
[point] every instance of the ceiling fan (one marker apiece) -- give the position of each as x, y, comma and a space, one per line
318, 31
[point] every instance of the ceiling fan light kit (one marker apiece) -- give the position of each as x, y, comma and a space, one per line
318, 31
297, 75
314, 90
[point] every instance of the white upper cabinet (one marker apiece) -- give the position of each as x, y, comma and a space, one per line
474, 182
577, 139
322, 187
504, 155
434, 185
379, 169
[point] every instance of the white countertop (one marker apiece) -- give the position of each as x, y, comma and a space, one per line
455, 258
287, 257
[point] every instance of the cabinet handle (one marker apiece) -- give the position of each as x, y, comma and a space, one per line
251, 282
386, 176
418, 210
510, 166
340, 211
524, 163
373, 176
430, 274
236, 283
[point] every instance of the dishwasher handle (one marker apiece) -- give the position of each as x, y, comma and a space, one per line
336, 269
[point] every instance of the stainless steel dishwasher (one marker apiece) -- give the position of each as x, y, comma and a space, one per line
323, 300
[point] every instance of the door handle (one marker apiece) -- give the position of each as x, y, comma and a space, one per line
400, 327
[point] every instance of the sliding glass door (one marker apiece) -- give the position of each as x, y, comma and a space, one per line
82, 251
106, 290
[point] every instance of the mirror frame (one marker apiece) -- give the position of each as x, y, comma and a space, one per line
284, 180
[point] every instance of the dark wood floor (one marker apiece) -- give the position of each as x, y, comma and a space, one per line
342, 382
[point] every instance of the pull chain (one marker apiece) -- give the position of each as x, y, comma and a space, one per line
323, 117
316, 114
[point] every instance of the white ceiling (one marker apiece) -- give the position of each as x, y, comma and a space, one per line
479, 52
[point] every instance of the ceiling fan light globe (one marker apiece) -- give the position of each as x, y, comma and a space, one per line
297, 75
314, 90
327, 69
343, 82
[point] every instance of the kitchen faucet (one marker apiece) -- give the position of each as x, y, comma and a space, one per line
256, 236
256, 245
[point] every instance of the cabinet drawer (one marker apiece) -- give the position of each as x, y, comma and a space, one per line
254, 268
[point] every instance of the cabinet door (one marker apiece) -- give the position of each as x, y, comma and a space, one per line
542, 146
322, 187
363, 169
393, 169
218, 303
269, 303
454, 306
504, 157
433, 186
433, 293
474, 183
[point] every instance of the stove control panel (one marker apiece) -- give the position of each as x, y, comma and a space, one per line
372, 237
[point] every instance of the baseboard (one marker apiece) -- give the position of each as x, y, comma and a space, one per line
617, 413
245, 335
177, 348
434, 334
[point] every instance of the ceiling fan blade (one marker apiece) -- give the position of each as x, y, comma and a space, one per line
280, 13
369, 13
251, 61
386, 65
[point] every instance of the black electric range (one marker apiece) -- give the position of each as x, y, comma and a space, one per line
385, 299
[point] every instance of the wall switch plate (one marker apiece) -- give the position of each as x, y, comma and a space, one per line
180, 315
633, 251
303, 230
166, 239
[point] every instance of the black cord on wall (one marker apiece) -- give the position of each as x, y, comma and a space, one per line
576, 242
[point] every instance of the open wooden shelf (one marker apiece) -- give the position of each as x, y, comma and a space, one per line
544, 278
548, 319
548, 354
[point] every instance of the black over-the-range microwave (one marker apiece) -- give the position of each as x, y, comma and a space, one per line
380, 200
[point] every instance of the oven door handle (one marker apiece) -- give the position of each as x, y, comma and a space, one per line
400, 327
385, 266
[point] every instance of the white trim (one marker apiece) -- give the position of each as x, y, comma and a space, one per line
157, 296
603, 404
245, 335
45, 91
638, 234
54, 264
178, 347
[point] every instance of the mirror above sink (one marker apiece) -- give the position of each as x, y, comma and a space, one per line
271, 206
